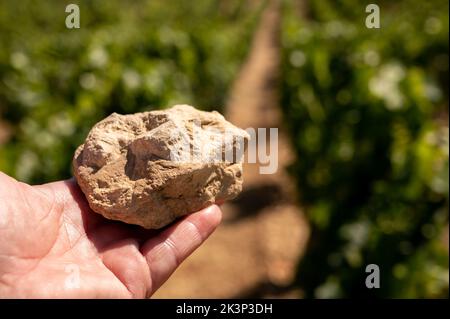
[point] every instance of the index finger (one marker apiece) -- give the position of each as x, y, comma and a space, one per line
165, 252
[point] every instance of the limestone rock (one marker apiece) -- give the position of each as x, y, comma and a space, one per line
150, 168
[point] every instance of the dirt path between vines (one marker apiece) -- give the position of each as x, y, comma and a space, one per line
256, 249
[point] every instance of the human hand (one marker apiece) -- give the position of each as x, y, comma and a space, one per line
54, 246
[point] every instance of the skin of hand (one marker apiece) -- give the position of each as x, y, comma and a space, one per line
54, 246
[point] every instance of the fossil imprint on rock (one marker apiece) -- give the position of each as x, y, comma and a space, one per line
152, 167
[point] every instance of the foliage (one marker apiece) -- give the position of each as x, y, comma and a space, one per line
372, 166
128, 56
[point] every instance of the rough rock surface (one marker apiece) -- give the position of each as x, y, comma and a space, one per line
150, 168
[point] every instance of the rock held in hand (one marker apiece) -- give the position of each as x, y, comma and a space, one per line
150, 168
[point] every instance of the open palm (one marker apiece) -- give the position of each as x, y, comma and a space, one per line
54, 246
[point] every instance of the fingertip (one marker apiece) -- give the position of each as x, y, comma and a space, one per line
204, 221
211, 215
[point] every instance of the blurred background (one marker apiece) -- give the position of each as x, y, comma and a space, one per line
363, 117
